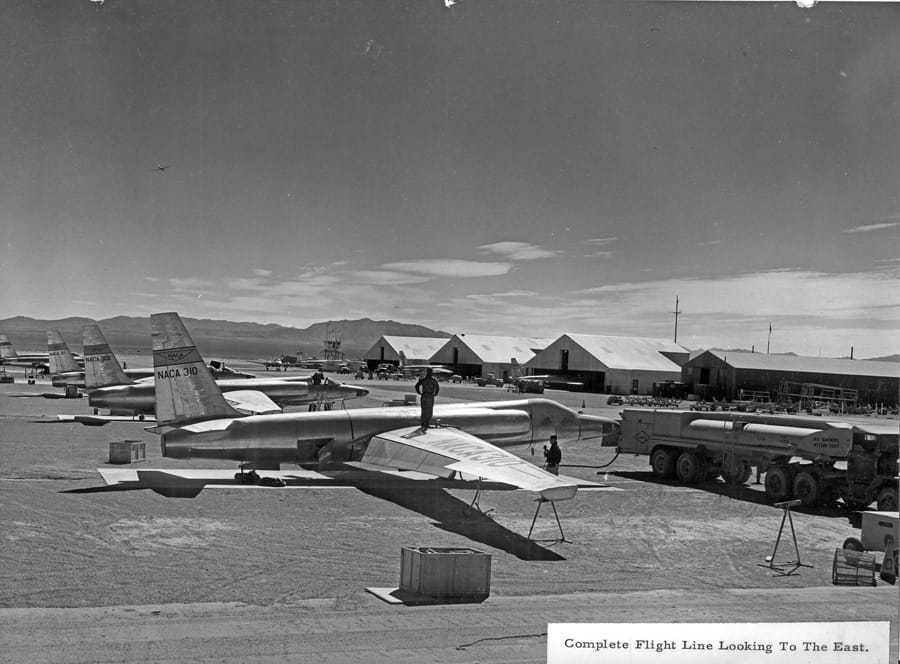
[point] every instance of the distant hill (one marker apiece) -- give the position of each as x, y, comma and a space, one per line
887, 358
218, 338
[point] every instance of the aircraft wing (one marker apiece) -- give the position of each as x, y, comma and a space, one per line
251, 402
100, 420
448, 452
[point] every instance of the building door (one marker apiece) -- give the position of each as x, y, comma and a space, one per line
635, 386
564, 359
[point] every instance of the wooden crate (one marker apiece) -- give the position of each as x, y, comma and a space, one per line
445, 573
127, 451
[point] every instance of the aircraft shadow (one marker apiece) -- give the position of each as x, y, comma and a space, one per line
455, 515
744, 493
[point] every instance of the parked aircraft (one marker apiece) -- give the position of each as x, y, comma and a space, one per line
111, 388
10, 357
196, 421
63, 368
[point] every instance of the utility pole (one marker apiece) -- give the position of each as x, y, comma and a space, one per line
676, 312
769, 340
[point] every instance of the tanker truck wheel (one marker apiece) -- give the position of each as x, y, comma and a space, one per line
807, 488
662, 461
887, 499
737, 475
690, 468
778, 484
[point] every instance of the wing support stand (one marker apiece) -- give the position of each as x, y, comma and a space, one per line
788, 568
541, 501
474, 504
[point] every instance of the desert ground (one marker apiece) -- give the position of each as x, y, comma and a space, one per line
265, 574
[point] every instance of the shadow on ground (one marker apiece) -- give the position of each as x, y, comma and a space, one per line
745, 493
455, 515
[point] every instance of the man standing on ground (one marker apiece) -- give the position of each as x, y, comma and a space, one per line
427, 388
554, 456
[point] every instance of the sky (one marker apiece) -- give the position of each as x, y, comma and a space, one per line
509, 167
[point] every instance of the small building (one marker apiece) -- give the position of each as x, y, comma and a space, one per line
479, 355
415, 350
615, 365
725, 374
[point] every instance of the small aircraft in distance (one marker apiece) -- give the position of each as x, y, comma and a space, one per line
161, 168
10, 357
440, 372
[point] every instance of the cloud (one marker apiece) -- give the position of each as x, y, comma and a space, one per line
518, 251
259, 272
388, 277
871, 227
601, 241
153, 279
600, 254
190, 284
449, 267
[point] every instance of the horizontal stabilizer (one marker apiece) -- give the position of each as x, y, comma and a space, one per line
100, 420
251, 402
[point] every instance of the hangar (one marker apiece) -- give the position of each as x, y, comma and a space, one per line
480, 355
618, 365
723, 374
415, 350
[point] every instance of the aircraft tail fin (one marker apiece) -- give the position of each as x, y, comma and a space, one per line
61, 358
7, 352
185, 389
101, 368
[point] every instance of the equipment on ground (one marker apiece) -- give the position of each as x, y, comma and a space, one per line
803, 457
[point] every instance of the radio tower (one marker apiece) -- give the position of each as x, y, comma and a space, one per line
676, 312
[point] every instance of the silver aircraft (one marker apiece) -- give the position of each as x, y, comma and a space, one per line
195, 420
110, 387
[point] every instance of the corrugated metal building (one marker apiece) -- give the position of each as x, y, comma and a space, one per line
480, 355
416, 350
618, 365
722, 374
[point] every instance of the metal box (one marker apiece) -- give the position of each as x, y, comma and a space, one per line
449, 574
127, 451
876, 526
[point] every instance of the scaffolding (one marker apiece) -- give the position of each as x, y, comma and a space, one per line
812, 395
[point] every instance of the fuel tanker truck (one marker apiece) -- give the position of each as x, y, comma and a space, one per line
813, 459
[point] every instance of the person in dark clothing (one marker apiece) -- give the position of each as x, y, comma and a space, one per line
317, 377
553, 455
427, 388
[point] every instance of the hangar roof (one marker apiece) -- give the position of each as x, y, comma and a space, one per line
801, 364
499, 350
636, 353
419, 348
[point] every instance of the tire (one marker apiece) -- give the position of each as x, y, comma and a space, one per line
690, 468
778, 484
853, 544
738, 475
807, 488
887, 499
662, 461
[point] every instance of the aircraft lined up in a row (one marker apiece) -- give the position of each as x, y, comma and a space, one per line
9, 357
129, 393
465, 449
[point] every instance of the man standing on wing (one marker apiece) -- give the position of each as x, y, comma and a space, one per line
427, 388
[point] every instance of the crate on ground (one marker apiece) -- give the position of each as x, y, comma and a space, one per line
445, 574
127, 451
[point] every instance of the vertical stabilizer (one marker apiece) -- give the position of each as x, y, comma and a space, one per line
61, 358
101, 368
185, 389
7, 352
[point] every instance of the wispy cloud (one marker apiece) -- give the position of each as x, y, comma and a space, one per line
449, 267
710, 243
518, 251
868, 228
601, 241
259, 272
190, 284
388, 277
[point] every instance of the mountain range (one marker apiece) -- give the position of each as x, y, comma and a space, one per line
218, 338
